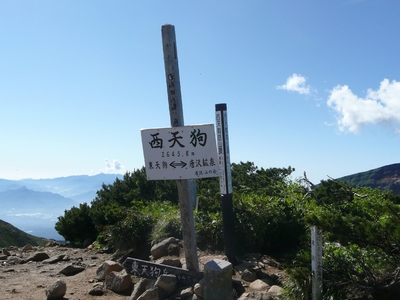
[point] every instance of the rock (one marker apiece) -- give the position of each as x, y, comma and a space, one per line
249, 275
97, 290
27, 247
52, 244
186, 293
14, 260
174, 262
244, 266
254, 296
151, 294
166, 284
237, 288
66, 258
259, 285
139, 288
118, 282
72, 270
106, 268
274, 291
198, 288
6, 252
174, 249
3, 257
9, 270
54, 259
218, 280
57, 290
39, 256
161, 249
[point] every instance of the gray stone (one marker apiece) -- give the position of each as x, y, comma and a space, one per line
39, 256
186, 293
27, 247
3, 257
174, 262
218, 280
54, 259
244, 266
254, 296
106, 268
274, 291
161, 249
166, 283
118, 282
57, 290
72, 270
6, 252
14, 260
9, 270
139, 288
259, 285
97, 290
198, 288
151, 294
249, 275
174, 250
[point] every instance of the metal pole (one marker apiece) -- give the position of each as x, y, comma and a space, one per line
225, 181
176, 117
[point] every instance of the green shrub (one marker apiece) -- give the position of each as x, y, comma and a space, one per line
76, 225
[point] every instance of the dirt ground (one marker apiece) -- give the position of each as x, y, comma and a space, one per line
30, 280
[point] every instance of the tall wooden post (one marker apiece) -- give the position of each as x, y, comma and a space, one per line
316, 255
225, 181
176, 117
316, 263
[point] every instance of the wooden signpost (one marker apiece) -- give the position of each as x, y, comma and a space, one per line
176, 117
152, 270
316, 255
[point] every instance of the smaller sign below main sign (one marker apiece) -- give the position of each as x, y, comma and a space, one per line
185, 152
153, 270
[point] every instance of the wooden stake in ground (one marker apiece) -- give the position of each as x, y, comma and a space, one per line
316, 255
176, 117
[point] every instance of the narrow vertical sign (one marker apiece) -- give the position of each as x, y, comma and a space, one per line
221, 118
316, 263
225, 181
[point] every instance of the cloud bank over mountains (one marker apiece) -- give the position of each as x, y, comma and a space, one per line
111, 167
352, 113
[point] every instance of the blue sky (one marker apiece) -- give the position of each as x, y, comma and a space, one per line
310, 84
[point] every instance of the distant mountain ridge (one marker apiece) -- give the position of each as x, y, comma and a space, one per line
386, 178
81, 188
33, 205
12, 236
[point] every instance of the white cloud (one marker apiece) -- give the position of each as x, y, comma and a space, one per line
113, 167
378, 107
296, 83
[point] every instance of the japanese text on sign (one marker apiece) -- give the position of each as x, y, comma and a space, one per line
185, 152
148, 269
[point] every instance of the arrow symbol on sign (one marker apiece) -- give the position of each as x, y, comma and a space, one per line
174, 164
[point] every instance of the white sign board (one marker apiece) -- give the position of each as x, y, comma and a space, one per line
185, 152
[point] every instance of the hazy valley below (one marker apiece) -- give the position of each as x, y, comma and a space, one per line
33, 205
